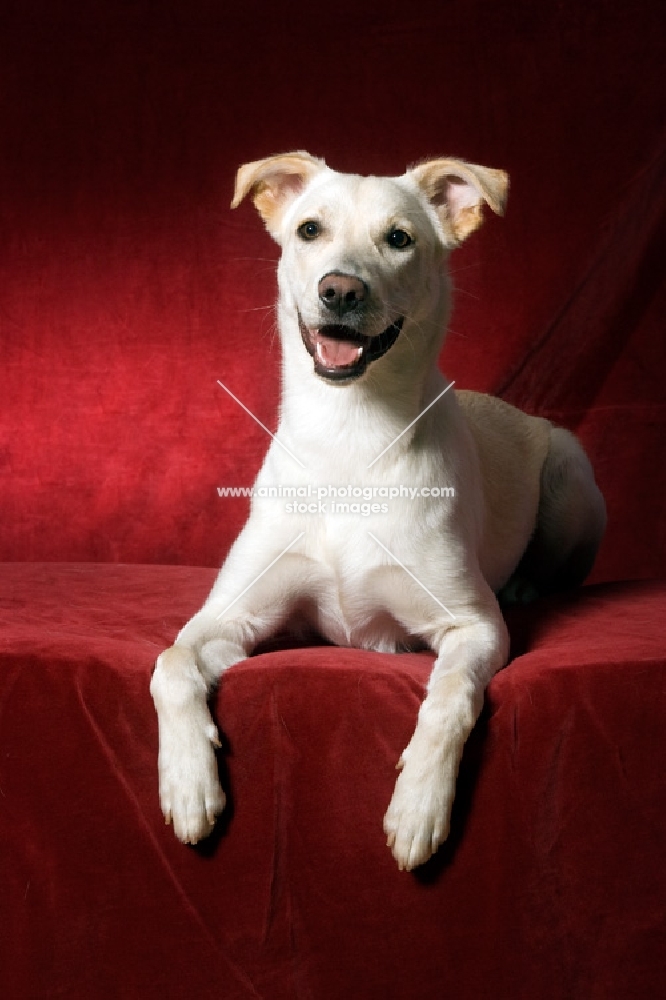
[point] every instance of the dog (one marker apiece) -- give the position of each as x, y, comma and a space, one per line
363, 305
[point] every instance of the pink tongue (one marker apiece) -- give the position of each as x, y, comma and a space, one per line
335, 353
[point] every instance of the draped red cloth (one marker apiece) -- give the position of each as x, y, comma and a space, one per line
127, 290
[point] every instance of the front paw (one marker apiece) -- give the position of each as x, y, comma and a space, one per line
190, 792
418, 817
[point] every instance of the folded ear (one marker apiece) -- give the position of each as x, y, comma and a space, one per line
458, 190
274, 182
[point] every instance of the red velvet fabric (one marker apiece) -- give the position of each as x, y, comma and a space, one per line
127, 289
552, 884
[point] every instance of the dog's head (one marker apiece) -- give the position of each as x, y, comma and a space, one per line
364, 256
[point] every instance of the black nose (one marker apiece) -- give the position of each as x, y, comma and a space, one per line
341, 293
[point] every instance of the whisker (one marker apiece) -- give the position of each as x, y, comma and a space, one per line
467, 267
459, 290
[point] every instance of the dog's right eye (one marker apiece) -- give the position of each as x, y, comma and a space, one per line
399, 239
309, 230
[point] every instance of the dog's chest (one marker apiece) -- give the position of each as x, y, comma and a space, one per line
356, 599
347, 617
361, 519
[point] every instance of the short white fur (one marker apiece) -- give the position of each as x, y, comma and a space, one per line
505, 467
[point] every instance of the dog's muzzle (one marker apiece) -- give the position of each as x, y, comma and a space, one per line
341, 353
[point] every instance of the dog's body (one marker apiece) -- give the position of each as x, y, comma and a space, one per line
364, 300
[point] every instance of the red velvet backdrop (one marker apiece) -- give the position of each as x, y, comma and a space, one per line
128, 287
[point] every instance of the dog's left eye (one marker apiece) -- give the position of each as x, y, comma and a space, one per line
399, 239
309, 230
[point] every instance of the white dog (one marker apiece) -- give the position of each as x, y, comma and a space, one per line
364, 301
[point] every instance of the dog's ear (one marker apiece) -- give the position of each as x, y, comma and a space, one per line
274, 182
458, 191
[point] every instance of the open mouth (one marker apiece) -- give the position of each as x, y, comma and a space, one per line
340, 353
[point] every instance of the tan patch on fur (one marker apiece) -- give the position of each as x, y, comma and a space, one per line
273, 182
512, 448
434, 177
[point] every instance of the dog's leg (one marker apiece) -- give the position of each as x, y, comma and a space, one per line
571, 521
418, 817
185, 675
190, 792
